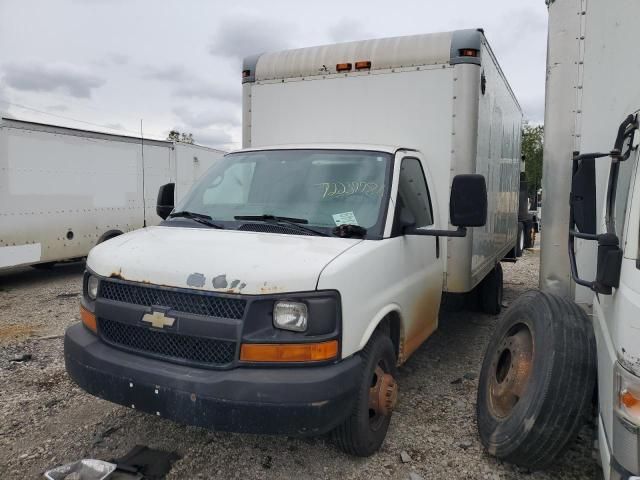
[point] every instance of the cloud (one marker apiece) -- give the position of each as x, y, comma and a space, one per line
533, 108
210, 90
172, 73
238, 37
118, 58
223, 114
32, 77
348, 29
57, 108
115, 126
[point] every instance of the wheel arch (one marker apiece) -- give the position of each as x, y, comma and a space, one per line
389, 320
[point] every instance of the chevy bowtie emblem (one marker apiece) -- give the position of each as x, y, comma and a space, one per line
158, 319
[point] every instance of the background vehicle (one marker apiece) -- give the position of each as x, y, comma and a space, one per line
532, 401
63, 190
322, 256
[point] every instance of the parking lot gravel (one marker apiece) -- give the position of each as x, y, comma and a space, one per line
47, 421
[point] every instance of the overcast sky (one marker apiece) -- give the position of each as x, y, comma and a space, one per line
110, 63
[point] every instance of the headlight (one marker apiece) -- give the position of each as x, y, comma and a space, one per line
627, 399
92, 287
290, 316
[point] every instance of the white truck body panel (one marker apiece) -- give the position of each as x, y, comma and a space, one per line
416, 97
56, 180
207, 252
592, 86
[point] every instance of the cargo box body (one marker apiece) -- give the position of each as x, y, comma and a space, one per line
422, 92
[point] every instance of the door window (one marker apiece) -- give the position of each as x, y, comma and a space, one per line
622, 193
413, 193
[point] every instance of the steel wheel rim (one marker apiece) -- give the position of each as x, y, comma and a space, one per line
383, 395
510, 370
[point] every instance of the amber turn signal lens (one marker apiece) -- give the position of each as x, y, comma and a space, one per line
628, 399
363, 65
289, 352
343, 67
469, 52
89, 319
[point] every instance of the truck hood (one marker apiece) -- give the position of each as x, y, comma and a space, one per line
218, 260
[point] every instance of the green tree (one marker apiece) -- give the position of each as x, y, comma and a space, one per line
532, 142
176, 136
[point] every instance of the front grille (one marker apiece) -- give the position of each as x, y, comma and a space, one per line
195, 303
170, 346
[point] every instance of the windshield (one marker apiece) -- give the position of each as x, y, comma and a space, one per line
327, 188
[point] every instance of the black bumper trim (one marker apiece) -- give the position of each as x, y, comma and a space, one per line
292, 400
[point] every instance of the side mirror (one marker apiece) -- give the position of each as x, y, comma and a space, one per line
165, 202
609, 264
583, 196
468, 203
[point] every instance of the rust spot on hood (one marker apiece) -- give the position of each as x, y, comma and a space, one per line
117, 275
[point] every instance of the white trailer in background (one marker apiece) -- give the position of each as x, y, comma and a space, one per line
63, 190
532, 401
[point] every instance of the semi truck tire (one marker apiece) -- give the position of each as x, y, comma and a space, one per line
520, 241
491, 291
537, 380
364, 430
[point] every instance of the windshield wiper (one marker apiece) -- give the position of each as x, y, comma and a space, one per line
197, 217
348, 230
291, 221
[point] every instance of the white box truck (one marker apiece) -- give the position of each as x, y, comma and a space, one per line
282, 293
63, 190
577, 340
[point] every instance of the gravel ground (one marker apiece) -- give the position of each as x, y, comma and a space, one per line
47, 421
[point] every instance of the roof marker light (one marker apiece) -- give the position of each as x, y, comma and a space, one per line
468, 52
363, 65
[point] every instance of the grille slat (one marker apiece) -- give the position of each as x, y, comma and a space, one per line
195, 303
204, 351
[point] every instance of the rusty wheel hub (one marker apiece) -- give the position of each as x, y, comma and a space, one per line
511, 368
383, 393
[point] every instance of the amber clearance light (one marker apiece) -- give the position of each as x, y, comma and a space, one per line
343, 67
469, 52
89, 319
289, 352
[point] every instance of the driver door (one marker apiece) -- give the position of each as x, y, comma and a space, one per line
423, 258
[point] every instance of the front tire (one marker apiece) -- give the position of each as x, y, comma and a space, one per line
537, 380
365, 429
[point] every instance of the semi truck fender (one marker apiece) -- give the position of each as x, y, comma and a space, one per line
394, 311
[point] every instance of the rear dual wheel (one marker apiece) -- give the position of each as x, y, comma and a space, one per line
364, 430
491, 291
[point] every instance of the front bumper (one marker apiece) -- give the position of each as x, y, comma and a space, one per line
307, 400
